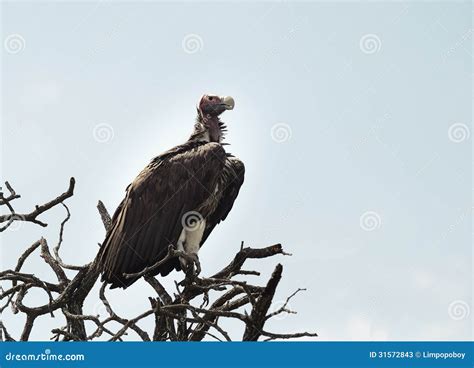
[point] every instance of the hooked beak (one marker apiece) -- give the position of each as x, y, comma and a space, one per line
216, 108
228, 102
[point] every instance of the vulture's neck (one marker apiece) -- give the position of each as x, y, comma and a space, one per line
208, 129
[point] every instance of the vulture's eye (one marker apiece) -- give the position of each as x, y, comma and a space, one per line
210, 98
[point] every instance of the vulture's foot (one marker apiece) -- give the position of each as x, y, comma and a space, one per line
194, 265
191, 266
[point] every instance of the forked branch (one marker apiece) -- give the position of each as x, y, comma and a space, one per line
191, 312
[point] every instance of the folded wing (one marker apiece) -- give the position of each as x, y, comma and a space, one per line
149, 219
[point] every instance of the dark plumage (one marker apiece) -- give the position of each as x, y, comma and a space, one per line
197, 178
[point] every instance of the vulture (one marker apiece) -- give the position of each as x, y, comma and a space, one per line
177, 199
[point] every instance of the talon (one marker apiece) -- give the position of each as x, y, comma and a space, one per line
191, 265
197, 263
194, 262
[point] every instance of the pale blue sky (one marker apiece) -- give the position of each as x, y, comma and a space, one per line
369, 132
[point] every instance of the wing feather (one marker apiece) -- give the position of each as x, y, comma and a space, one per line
232, 179
149, 218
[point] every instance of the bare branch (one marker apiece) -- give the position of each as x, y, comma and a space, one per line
60, 241
32, 216
192, 312
283, 308
104, 215
275, 336
4, 335
246, 253
260, 308
11, 197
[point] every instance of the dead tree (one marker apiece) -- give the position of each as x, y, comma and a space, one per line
192, 312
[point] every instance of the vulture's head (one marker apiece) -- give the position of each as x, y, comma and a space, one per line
213, 105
